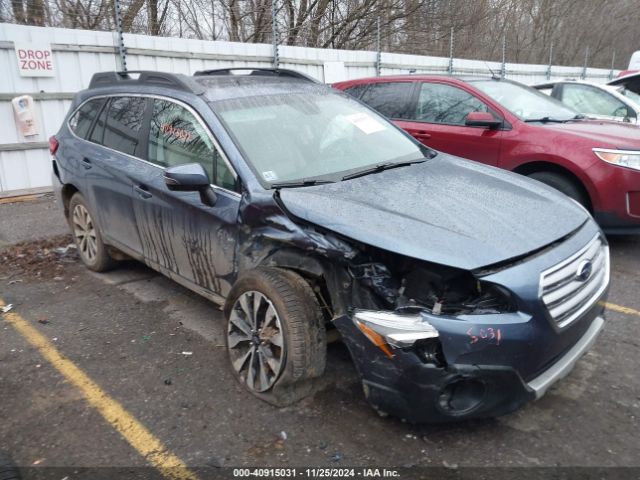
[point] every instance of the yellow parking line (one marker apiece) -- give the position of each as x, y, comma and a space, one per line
620, 309
126, 424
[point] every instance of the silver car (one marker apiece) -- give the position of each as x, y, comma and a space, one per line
608, 102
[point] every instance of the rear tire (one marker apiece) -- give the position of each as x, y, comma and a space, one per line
276, 338
87, 236
562, 184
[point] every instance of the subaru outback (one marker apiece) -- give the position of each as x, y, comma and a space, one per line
460, 290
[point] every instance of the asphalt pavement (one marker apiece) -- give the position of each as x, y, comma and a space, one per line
155, 350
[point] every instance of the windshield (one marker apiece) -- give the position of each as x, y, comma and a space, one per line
525, 102
319, 133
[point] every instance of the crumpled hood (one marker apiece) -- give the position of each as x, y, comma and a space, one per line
446, 210
601, 133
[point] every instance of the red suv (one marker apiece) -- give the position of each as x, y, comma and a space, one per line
511, 126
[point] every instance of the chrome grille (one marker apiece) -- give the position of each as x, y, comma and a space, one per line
567, 290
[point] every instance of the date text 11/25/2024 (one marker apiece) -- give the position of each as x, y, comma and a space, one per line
319, 472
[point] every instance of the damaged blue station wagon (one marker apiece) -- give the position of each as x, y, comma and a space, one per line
461, 290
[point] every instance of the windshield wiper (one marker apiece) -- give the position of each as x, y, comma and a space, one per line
548, 120
381, 167
300, 183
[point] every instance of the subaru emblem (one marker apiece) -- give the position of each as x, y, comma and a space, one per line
584, 270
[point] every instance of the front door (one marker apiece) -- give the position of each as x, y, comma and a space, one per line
438, 121
180, 236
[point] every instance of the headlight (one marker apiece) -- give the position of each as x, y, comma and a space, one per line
388, 328
622, 158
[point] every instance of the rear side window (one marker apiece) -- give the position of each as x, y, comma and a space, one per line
439, 103
391, 99
177, 137
82, 120
124, 119
98, 130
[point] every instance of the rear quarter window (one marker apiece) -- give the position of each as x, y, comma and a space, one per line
81, 121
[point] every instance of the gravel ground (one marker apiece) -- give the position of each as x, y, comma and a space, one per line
31, 220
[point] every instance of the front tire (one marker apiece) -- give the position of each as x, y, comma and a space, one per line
276, 338
562, 184
87, 236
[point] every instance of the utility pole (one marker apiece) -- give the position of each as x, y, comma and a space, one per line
550, 61
450, 68
213, 19
503, 68
274, 35
613, 63
378, 48
122, 51
586, 62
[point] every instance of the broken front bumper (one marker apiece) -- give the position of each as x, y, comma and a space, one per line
411, 387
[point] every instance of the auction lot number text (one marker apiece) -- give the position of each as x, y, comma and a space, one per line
319, 472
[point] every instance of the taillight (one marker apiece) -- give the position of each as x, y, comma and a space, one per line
53, 145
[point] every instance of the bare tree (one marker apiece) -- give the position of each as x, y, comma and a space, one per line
529, 27
29, 12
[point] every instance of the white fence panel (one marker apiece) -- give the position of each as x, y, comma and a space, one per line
78, 54
25, 171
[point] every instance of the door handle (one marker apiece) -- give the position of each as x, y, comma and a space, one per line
421, 134
142, 191
86, 163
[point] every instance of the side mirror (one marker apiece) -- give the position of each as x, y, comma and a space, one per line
190, 177
482, 119
627, 113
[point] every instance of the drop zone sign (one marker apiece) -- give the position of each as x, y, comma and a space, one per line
34, 59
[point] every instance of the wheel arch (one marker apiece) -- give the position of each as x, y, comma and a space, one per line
528, 168
67, 191
321, 276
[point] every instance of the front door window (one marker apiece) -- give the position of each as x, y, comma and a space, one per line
176, 137
593, 101
439, 103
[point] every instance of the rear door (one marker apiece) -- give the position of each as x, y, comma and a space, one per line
180, 236
109, 165
437, 119
76, 148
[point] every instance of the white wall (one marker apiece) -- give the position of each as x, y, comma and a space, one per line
78, 54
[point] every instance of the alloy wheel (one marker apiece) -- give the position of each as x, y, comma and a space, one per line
85, 233
255, 341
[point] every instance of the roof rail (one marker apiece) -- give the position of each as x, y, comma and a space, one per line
146, 77
256, 72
